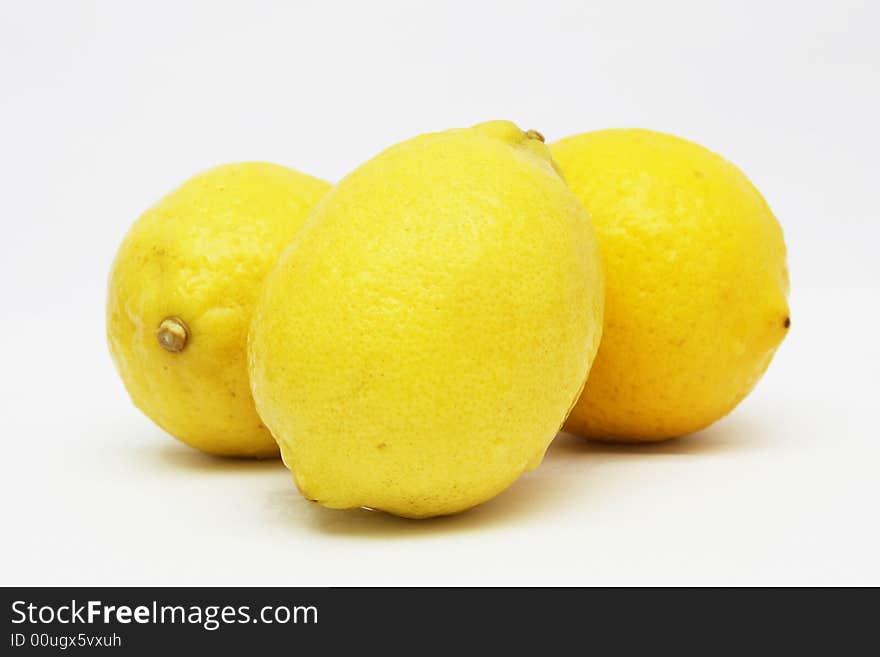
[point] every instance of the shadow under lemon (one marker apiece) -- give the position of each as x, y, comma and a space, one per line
180, 456
733, 432
552, 483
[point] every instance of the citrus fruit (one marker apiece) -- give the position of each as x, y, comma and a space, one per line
181, 294
419, 343
696, 283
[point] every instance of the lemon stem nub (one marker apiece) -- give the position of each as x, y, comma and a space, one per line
534, 134
172, 334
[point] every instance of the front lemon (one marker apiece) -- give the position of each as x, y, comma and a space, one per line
697, 283
182, 290
422, 339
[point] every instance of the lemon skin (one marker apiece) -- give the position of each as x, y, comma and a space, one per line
697, 283
199, 257
421, 341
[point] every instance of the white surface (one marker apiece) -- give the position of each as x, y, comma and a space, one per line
105, 108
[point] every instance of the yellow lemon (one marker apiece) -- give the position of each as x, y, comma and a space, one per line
181, 294
697, 283
422, 339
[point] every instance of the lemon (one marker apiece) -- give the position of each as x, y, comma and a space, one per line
181, 294
422, 339
697, 283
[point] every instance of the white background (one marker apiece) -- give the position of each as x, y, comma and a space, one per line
105, 107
